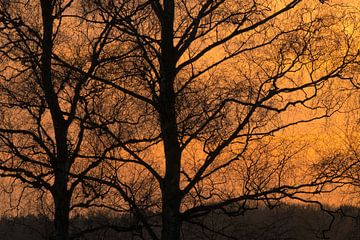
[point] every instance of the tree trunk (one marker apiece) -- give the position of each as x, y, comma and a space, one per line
170, 187
61, 195
62, 206
171, 222
171, 194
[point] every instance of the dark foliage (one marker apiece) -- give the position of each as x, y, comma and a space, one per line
284, 222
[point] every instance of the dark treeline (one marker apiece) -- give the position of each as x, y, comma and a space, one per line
285, 222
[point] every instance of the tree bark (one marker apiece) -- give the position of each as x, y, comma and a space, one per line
171, 221
170, 189
171, 195
62, 206
60, 193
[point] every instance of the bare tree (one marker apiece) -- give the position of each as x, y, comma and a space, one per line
44, 104
187, 92
210, 82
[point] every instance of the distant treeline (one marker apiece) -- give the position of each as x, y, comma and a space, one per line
284, 222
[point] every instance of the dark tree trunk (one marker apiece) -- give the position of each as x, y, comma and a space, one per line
60, 193
171, 195
171, 221
62, 206
170, 188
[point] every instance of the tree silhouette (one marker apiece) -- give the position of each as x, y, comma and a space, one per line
45, 104
210, 83
167, 106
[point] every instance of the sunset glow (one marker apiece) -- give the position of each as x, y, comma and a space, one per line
180, 119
